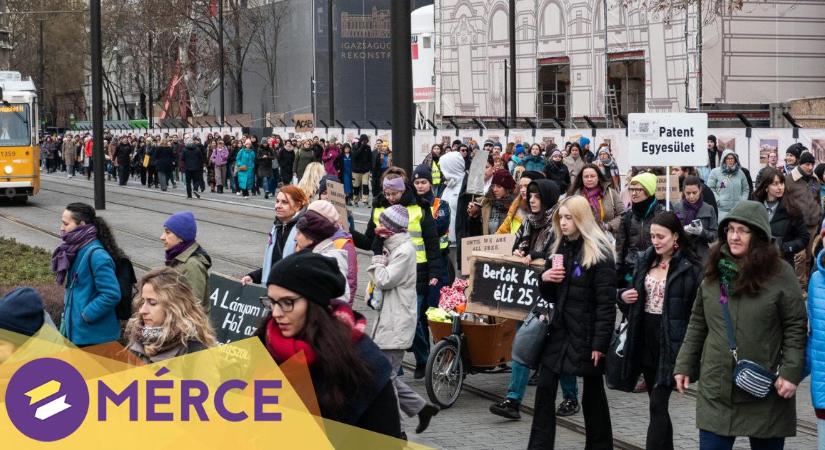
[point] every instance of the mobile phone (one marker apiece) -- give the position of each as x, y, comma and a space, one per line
696, 223
558, 261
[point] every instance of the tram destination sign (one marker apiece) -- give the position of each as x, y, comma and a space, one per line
503, 286
667, 139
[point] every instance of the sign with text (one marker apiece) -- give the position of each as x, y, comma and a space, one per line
475, 177
336, 195
304, 123
661, 188
667, 139
503, 286
235, 310
497, 244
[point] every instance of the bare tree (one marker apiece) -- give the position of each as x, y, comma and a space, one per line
710, 8
267, 39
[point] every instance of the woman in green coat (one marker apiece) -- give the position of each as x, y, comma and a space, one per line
770, 327
245, 168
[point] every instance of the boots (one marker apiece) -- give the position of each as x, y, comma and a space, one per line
220, 189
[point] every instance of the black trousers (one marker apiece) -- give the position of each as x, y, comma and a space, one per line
599, 434
152, 176
660, 428
193, 178
123, 174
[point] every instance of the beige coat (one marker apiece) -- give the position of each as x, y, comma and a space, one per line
395, 275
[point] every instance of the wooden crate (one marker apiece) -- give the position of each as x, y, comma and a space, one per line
488, 345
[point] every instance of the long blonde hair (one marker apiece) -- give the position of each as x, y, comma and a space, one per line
312, 178
185, 318
597, 246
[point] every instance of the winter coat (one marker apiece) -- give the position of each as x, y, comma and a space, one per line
263, 163
281, 235
612, 205
790, 233
558, 172
329, 157
806, 189
192, 158
633, 237
816, 337
536, 163
771, 330
361, 156
164, 159
328, 248
69, 152
92, 292
219, 156
194, 263
708, 236
585, 313
246, 178
535, 241
123, 154
394, 274
286, 160
683, 279
729, 189
343, 240
303, 157
574, 166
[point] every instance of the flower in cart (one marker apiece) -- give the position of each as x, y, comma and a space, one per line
453, 296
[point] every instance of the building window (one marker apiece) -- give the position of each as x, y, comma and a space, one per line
552, 20
499, 26
427, 42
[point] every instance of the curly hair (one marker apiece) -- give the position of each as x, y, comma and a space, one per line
83, 213
756, 269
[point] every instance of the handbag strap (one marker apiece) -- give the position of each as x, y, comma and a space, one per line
729, 324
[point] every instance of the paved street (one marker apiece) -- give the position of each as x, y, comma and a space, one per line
234, 233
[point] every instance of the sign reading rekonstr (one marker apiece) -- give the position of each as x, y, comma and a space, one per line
668, 139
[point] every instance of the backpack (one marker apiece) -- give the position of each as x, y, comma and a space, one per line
126, 279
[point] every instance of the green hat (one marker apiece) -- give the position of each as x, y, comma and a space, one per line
648, 181
751, 213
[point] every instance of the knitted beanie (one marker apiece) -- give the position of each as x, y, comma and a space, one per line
503, 178
316, 227
423, 171
647, 180
395, 218
326, 209
807, 158
583, 142
315, 277
21, 311
183, 225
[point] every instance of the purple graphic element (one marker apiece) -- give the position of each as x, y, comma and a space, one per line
47, 399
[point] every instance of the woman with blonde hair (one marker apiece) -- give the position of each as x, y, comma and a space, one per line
580, 284
312, 178
168, 320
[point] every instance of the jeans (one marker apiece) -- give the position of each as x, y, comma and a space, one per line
598, 431
421, 341
521, 375
820, 431
266, 183
712, 441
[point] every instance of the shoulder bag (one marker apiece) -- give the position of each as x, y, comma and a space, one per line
747, 375
530, 337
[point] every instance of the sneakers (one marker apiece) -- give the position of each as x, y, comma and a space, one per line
641, 386
424, 416
196, 194
568, 407
507, 409
239, 193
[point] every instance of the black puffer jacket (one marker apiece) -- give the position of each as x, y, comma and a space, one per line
790, 233
633, 238
558, 172
362, 155
192, 157
683, 279
585, 313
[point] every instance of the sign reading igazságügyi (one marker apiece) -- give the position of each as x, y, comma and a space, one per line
503, 286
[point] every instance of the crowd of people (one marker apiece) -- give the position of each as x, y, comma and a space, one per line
719, 279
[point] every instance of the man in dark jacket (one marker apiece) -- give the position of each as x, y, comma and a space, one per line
802, 184
123, 158
193, 164
361, 163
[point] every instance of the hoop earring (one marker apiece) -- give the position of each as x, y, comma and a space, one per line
675, 246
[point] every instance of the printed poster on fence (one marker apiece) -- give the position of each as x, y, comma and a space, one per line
503, 286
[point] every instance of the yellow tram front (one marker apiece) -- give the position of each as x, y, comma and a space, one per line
19, 153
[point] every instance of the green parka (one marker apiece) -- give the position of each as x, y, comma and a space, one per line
194, 263
771, 330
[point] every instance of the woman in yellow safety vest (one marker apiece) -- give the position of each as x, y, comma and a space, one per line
431, 161
519, 209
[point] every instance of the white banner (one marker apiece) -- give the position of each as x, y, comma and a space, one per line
667, 139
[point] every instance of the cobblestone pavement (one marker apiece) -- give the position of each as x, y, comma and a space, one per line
234, 233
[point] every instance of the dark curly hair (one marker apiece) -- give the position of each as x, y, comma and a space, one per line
83, 213
757, 267
789, 200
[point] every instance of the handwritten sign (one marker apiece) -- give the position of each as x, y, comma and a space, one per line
497, 244
661, 188
304, 123
475, 178
503, 286
235, 310
336, 195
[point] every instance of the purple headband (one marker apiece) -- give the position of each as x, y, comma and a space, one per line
395, 184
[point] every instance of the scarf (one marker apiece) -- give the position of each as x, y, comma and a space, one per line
282, 348
789, 168
728, 271
730, 170
502, 205
64, 254
149, 335
176, 250
595, 198
540, 220
643, 209
691, 210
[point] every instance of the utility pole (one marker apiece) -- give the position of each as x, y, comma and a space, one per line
330, 62
97, 104
699, 25
150, 109
687, 58
220, 51
402, 92
506, 115
513, 64
607, 112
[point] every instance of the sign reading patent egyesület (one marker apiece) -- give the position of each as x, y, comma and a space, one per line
503, 286
667, 139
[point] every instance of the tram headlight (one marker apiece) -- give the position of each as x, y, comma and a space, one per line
8, 170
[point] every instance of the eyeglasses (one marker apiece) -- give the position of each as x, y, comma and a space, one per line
741, 232
286, 304
636, 190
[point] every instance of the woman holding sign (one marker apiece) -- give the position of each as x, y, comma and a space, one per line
580, 284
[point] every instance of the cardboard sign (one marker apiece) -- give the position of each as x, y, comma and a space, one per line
235, 310
667, 139
502, 286
475, 178
661, 187
304, 123
336, 195
496, 244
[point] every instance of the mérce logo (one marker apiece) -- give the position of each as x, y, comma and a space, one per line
47, 399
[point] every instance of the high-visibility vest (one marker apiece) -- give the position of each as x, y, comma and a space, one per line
436, 173
515, 224
444, 239
414, 228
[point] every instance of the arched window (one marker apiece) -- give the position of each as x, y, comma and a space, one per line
499, 25
552, 20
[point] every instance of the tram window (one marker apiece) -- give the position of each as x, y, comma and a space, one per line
14, 125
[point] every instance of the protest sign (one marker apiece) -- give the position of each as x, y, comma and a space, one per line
304, 123
336, 195
661, 188
235, 310
503, 286
497, 244
475, 178
667, 139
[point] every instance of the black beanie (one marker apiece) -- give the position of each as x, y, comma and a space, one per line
533, 175
315, 277
423, 171
807, 158
21, 311
796, 150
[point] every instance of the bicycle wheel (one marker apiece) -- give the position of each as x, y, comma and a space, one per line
444, 374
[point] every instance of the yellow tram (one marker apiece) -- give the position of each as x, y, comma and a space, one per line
19, 151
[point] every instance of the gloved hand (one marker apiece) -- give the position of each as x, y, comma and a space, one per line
378, 245
693, 230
